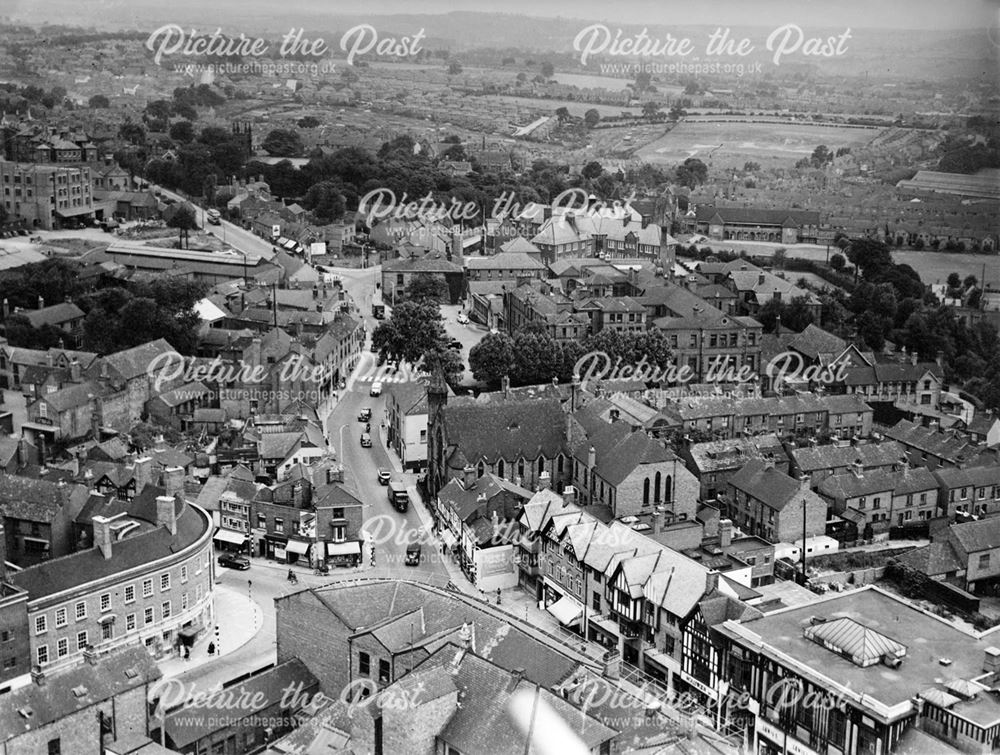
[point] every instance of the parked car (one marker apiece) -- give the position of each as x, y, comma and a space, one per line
384, 476
366, 440
462, 319
413, 553
455, 344
365, 414
234, 561
376, 389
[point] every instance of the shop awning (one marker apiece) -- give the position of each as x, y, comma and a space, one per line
298, 546
449, 537
566, 610
350, 548
228, 536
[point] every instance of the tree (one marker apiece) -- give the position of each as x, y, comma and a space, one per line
325, 201
780, 256
954, 280
538, 358
692, 173
562, 113
970, 281
837, 262
796, 315
184, 220
309, 121
592, 117
676, 112
821, 156
651, 109
413, 330
454, 68
493, 358
548, 70
283, 143
425, 287
131, 132
182, 131
592, 170
98, 102
870, 256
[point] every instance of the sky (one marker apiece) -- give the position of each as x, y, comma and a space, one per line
885, 14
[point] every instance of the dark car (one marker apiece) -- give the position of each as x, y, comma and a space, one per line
413, 554
384, 476
234, 561
366, 440
456, 344
365, 415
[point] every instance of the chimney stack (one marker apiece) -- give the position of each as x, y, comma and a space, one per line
657, 521
173, 481
166, 512
612, 665
591, 458
102, 535
37, 677
74, 371
544, 480
991, 661
725, 533
41, 302
469, 477
143, 473
569, 495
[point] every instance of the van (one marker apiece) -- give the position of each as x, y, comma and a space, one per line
214, 217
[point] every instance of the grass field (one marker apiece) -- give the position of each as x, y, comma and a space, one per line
730, 144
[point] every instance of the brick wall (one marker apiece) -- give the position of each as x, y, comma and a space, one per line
309, 631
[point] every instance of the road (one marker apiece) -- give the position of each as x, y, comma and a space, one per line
230, 233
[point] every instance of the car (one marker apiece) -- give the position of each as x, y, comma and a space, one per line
413, 554
376, 389
366, 440
462, 319
365, 414
455, 344
384, 476
234, 561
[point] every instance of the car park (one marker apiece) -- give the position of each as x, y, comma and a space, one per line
234, 561
366, 440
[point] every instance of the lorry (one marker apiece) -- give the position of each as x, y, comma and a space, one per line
398, 496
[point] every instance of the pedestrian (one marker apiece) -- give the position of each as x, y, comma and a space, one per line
187, 653
211, 648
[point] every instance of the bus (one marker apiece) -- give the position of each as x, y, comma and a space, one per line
398, 496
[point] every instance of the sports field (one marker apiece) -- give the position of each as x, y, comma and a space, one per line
731, 143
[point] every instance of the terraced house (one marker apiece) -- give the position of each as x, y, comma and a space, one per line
882, 499
973, 491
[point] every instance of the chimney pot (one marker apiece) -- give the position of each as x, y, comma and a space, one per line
166, 512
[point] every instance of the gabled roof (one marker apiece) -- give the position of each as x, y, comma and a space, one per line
814, 341
974, 537
814, 458
507, 260
37, 500
113, 675
505, 428
72, 396
618, 448
937, 558
765, 483
57, 314
131, 363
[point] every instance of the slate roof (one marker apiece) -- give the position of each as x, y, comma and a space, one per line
422, 265
935, 559
192, 723
505, 428
82, 567
755, 216
928, 440
113, 675
466, 501
814, 458
618, 448
848, 485
956, 477
731, 454
973, 537
36, 500
814, 341
806, 403
57, 314
506, 260
131, 363
363, 605
767, 484
72, 396
482, 722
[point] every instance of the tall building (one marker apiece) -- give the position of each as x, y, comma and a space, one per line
46, 196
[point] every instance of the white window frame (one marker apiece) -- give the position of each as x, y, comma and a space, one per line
105, 602
130, 623
86, 639
80, 611
42, 654
41, 624
62, 612
165, 581
130, 590
147, 583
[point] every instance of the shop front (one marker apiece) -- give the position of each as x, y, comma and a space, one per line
297, 550
274, 547
344, 554
229, 540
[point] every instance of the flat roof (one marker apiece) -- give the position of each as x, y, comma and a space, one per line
927, 638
